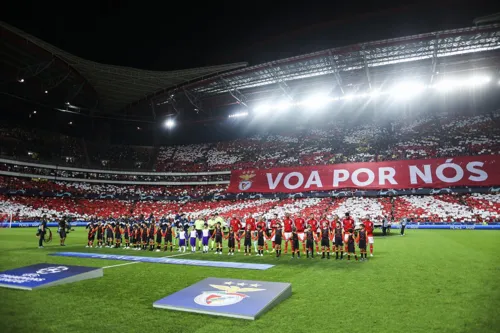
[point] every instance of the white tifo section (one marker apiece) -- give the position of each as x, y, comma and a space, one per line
359, 208
293, 208
237, 206
190, 153
12, 208
444, 209
492, 198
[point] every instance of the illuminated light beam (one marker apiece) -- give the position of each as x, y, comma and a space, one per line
316, 101
239, 114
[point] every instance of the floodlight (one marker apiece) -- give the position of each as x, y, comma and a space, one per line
239, 114
407, 89
282, 106
478, 80
169, 123
316, 101
262, 108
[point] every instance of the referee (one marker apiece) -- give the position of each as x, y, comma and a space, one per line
403, 226
211, 227
42, 228
62, 231
198, 225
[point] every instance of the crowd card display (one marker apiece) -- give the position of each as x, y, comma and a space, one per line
242, 299
46, 275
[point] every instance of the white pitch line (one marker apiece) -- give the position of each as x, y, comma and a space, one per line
177, 255
136, 262
127, 263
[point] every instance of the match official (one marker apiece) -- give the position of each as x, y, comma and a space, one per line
220, 219
198, 225
403, 226
211, 227
62, 231
42, 229
385, 224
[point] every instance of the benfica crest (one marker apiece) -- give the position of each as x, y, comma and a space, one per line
246, 182
242, 299
227, 295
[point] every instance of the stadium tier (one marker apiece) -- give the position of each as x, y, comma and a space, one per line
427, 136
475, 208
189, 178
236, 183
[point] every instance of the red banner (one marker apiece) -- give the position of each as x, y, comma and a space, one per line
433, 173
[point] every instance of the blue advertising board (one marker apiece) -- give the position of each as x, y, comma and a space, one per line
34, 224
457, 226
244, 299
166, 260
46, 275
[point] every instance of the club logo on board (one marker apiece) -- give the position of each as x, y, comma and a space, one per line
228, 294
246, 183
52, 270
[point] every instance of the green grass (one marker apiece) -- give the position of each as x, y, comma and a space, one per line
429, 281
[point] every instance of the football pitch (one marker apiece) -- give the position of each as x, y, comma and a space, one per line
427, 281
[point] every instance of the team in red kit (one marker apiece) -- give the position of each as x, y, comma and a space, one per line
321, 236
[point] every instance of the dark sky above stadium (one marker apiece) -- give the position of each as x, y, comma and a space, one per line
169, 35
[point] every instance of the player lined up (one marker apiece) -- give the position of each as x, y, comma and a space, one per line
313, 234
319, 232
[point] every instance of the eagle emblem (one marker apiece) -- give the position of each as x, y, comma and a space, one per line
246, 182
225, 294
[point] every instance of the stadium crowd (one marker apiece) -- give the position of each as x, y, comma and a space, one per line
475, 208
423, 137
427, 136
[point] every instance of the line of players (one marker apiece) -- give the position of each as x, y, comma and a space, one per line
313, 234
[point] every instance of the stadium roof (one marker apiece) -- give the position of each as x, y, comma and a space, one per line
117, 86
366, 64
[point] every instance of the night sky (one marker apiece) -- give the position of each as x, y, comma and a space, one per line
169, 35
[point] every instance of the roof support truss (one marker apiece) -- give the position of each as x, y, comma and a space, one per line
336, 73
434, 58
368, 59
53, 81
275, 73
367, 70
74, 91
34, 70
173, 103
153, 112
235, 93
194, 100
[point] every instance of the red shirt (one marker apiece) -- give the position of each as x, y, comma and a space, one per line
333, 224
299, 224
274, 224
368, 227
348, 223
250, 222
288, 225
313, 223
323, 222
262, 224
236, 224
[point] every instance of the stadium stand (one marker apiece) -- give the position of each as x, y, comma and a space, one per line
478, 208
49, 173
425, 137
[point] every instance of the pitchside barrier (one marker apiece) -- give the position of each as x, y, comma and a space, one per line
452, 226
33, 224
425, 225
